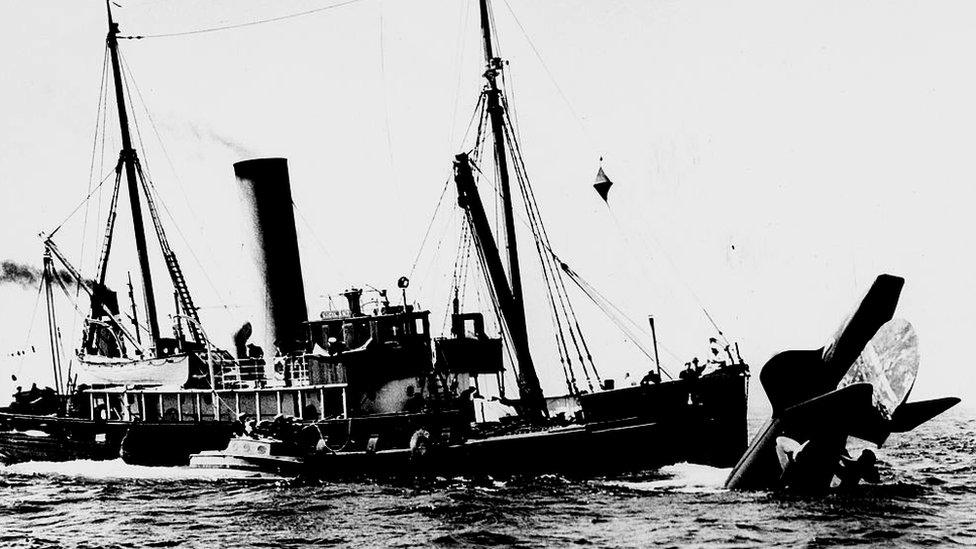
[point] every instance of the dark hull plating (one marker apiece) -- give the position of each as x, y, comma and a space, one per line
637, 428
705, 423
48, 438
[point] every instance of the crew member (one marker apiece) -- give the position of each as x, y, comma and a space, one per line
414, 402
652, 377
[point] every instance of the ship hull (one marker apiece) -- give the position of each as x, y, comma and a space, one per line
701, 421
47, 438
632, 429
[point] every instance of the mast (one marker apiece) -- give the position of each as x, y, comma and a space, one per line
496, 114
52, 322
129, 159
530, 391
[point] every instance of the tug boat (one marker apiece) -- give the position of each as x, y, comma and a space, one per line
365, 391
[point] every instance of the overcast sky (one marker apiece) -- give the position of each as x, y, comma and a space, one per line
770, 157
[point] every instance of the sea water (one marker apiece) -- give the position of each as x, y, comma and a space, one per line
927, 497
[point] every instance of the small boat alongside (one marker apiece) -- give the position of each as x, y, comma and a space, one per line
252, 457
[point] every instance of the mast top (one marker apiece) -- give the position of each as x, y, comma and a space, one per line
113, 27
493, 63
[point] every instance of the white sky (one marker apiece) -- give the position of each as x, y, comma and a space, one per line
826, 141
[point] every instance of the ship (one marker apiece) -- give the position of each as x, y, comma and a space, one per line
363, 390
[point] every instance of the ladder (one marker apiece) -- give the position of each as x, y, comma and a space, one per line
172, 265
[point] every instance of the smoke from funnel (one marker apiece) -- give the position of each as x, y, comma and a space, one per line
24, 275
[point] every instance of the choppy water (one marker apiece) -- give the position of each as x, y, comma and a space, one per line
927, 498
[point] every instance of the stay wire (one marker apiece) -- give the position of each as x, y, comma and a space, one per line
608, 308
149, 179
548, 275
80, 204
552, 78
533, 209
477, 109
397, 184
222, 302
102, 105
240, 25
30, 329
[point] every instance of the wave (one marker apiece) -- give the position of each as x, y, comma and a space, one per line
117, 469
681, 477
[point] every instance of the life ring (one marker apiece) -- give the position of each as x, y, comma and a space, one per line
419, 445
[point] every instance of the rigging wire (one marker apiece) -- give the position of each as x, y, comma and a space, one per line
318, 241
460, 47
99, 117
608, 308
179, 180
30, 329
477, 109
541, 234
450, 223
552, 78
386, 119
462, 248
222, 302
496, 306
674, 267
430, 225
102, 88
548, 271
80, 204
240, 25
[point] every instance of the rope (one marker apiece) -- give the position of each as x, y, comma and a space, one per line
30, 329
554, 281
91, 167
423, 241
561, 346
318, 241
386, 122
240, 25
102, 106
437, 250
674, 267
80, 204
478, 109
179, 181
460, 47
552, 78
605, 306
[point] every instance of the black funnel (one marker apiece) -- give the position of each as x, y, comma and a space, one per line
270, 227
